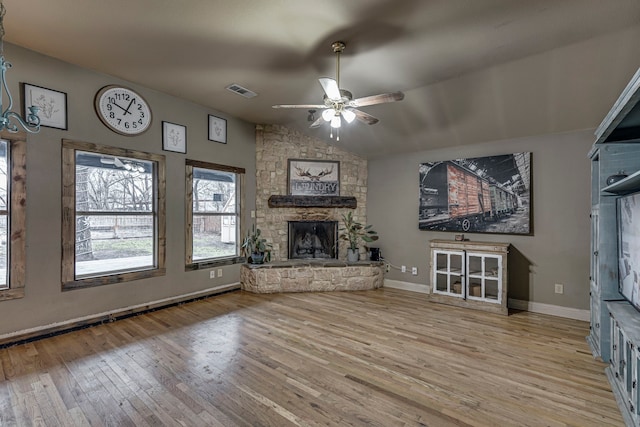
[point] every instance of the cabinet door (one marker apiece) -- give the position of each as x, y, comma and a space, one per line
615, 340
595, 268
594, 326
484, 274
635, 373
448, 272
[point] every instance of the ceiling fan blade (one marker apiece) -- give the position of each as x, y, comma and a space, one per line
319, 121
377, 99
365, 117
330, 87
307, 106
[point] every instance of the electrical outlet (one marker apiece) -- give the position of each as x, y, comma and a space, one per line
559, 288
388, 267
212, 274
414, 271
403, 268
253, 214
219, 272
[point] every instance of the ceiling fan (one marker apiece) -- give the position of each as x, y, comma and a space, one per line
339, 103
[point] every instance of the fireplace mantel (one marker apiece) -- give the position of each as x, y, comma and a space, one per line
279, 201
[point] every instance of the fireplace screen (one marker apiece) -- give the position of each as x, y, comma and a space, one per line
313, 239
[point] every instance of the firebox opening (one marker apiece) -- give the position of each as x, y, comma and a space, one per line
313, 239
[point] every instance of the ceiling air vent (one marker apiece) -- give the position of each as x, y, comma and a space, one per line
242, 91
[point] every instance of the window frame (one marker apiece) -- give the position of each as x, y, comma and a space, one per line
69, 280
190, 264
17, 214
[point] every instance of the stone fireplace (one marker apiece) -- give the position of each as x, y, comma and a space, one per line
275, 146
313, 239
303, 230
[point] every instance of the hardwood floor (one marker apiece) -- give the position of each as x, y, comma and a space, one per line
381, 358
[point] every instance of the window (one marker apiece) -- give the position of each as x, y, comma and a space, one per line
113, 215
12, 215
213, 214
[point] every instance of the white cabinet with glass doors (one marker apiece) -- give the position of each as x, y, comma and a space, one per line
470, 274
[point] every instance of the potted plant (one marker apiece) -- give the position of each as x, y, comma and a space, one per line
355, 232
255, 247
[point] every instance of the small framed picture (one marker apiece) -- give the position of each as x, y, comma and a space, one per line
174, 137
52, 104
459, 237
217, 129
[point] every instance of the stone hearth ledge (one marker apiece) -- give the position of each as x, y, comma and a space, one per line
311, 276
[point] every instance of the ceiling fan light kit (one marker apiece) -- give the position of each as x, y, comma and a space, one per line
339, 103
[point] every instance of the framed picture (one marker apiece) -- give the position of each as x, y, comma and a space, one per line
174, 137
482, 195
217, 129
313, 177
52, 104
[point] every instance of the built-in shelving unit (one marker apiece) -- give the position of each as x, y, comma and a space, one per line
626, 185
614, 332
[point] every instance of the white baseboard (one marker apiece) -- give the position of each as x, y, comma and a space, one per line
553, 310
407, 286
534, 307
112, 314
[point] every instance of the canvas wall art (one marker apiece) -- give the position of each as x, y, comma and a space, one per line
313, 177
482, 195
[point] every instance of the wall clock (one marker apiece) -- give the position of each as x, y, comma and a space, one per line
123, 110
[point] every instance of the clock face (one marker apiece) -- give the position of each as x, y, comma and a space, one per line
123, 110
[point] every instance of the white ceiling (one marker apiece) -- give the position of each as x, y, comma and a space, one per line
471, 70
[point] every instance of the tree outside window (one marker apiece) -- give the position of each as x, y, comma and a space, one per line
213, 210
118, 219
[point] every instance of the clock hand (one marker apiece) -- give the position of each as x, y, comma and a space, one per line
122, 108
129, 106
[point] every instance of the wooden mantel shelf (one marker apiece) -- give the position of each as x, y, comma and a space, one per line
278, 201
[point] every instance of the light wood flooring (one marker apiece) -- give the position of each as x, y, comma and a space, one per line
372, 358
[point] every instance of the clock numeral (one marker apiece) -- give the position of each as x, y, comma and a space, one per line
126, 125
109, 107
140, 121
112, 115
135, 125
140, 107
141, 112
119, 121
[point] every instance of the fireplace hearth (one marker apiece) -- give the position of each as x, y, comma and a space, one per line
313, 239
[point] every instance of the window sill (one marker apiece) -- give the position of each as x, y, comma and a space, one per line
212, 263
108, 280
7, 294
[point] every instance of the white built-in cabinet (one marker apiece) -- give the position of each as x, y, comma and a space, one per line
470, 274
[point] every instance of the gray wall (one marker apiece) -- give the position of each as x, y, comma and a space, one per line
44, 302
558, 250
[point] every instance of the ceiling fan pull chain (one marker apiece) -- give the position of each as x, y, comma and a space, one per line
338, 134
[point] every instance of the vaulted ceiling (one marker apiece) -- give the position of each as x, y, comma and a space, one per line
471, 70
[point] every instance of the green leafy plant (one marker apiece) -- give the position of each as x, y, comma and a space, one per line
255, 247
355, 232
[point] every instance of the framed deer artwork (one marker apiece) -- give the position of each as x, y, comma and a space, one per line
313, 178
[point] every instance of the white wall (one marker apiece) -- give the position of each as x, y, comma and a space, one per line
558, 250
